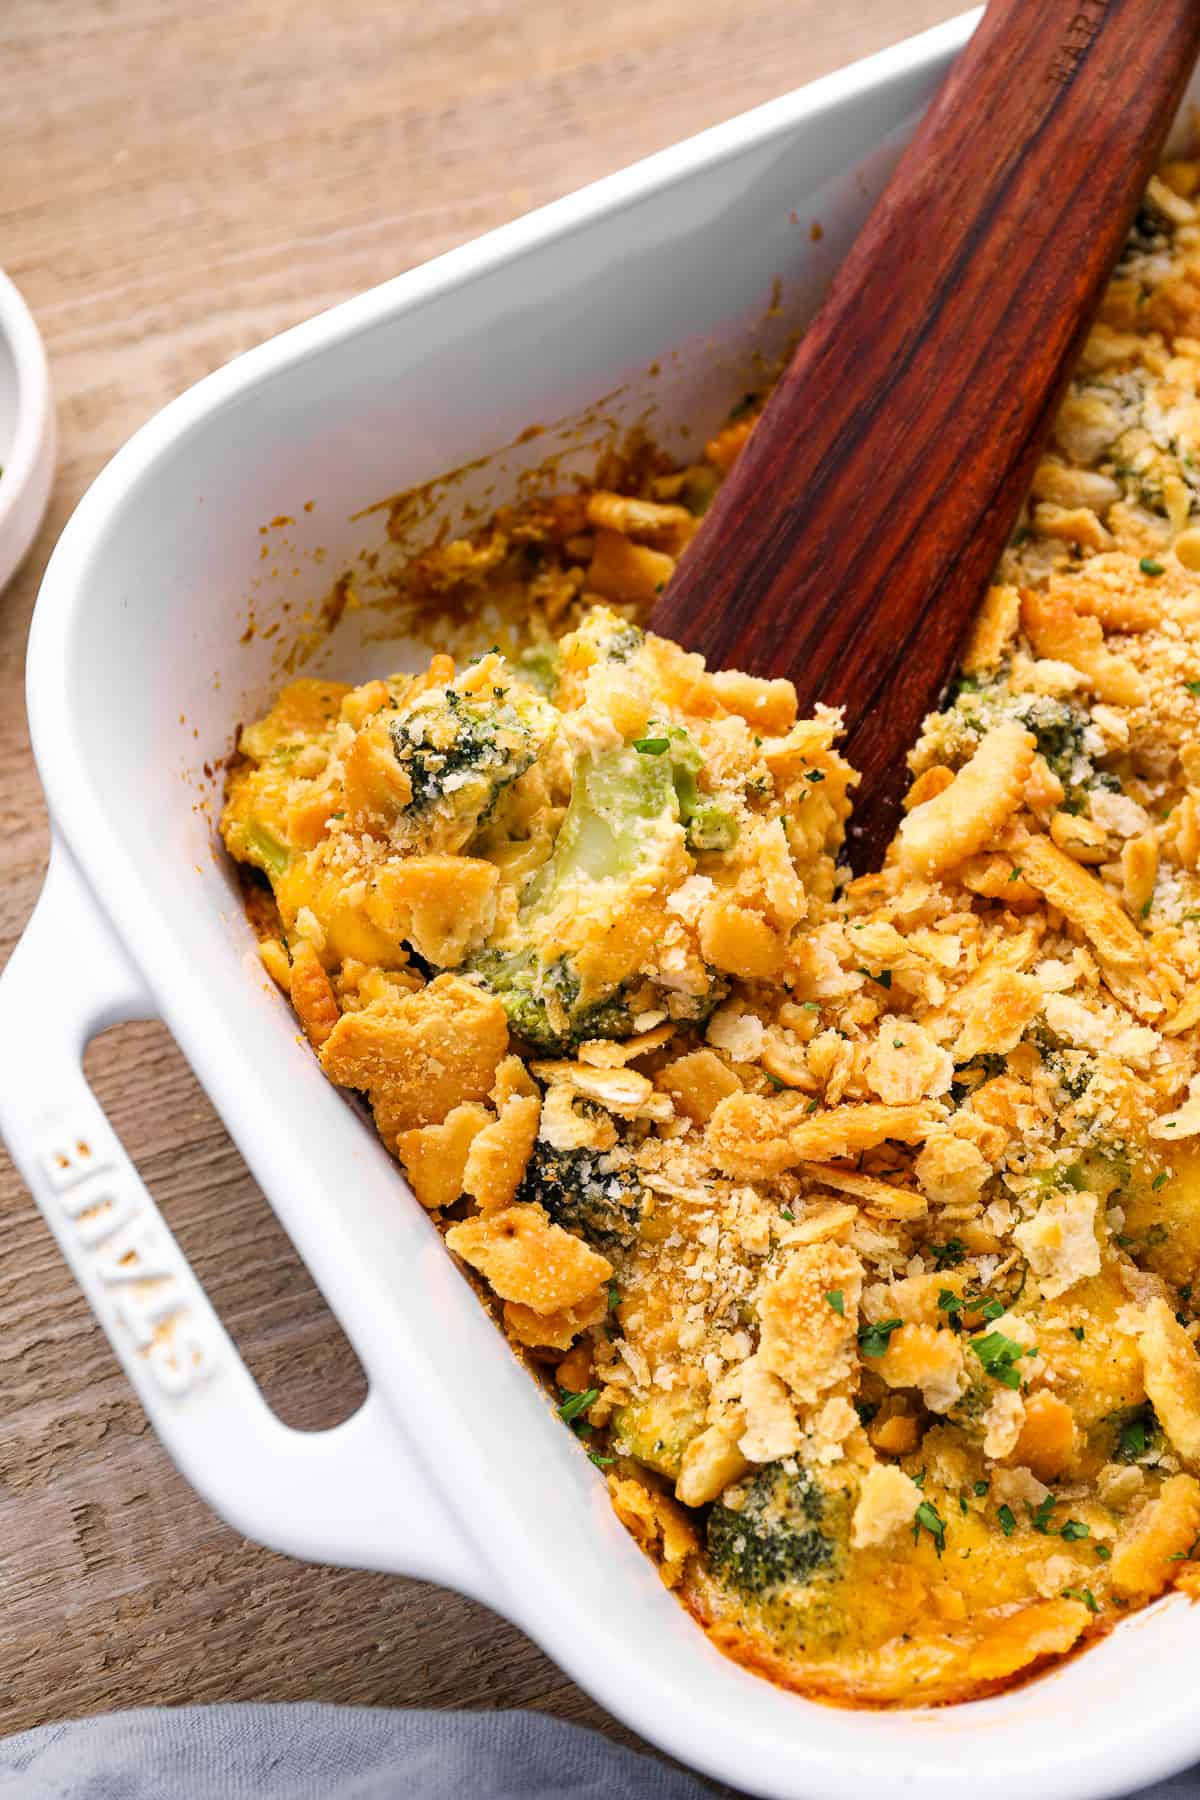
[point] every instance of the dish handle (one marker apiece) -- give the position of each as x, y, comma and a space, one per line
355, 1494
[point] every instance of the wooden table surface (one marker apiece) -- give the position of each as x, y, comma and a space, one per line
180, 179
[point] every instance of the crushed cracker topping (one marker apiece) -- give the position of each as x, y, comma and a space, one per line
859, 1219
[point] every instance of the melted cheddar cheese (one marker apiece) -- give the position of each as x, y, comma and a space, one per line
856, 1222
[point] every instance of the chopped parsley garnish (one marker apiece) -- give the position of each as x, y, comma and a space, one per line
926, 1518
1103, 1552
1160, 1180
1193, 687
1039, 1517
785, 1212
873, 1340
884, 977
953, 1305
981, 1488
813, 775
1075, 1530
1148, 566
1077, 1332
1132, 1442
651, 746
1085, 1595
948, 1255
601, 1462
999, 1355
574, 1404
1008, 1523
614, 1296
836, 1300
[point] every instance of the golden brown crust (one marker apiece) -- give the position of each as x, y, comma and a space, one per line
904, 1230
442, 905
312, 994
1078, 895
938, 1668
966, 816
662, 1528
498, 1154
526, 1258
435, 1156
749, 1135
804, 1339
1172, 1375
421, 1054
1061, 634
1162, 1532
698, 1082
993, 632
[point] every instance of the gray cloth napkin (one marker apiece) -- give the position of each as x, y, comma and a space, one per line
348, 1753
329, 1753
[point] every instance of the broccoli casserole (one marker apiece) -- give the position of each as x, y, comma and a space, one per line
854, 1222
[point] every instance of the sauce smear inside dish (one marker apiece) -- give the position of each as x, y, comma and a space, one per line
855, 1223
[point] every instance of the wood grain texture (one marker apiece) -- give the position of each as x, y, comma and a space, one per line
179, 181
852, 543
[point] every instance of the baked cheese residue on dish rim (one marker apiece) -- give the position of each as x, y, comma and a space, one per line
854, 1223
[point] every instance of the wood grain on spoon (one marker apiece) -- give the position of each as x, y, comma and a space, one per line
852, 541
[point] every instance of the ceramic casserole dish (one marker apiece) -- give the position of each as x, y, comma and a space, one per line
643, 300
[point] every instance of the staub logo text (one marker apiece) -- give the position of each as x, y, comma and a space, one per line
134, 1260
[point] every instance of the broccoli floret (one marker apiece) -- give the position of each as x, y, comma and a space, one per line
1137, 1435
609, 635
622, 802
460, 746
441, 749
971, 1406
1059, 728
707, 824
452, 749
261, 848
614, 797
542, 1004
786, 1532
711, 827
657, 1430
539, 667
594, 1194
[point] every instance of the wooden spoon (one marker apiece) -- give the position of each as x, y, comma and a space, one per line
854, 537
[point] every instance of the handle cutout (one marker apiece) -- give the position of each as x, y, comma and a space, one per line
308, 1372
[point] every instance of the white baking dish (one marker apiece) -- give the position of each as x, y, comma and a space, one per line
455, 1468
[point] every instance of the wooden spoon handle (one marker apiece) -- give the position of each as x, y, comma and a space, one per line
852, 540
